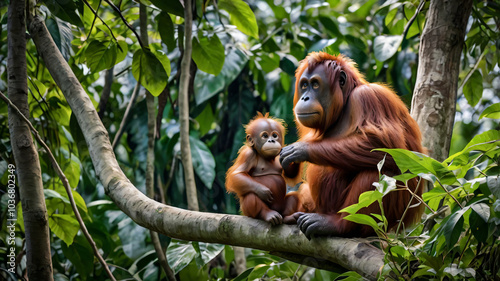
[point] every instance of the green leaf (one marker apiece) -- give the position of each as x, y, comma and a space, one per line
80, 203
164, 60
286, 81
172, 6
192, 272
289, 64
482, 210
405, 177
269, 62
478, 227
493, 112
363, 11
244, 276
385, 185
418, 163
180, 254
399, 251
62, 34
362, 219
493, 183
100, 55
452, 228
65, 10
350, 276
423, 271
390, 16
132, 236
242, 16
203, 161
166, 30
206, 120
365, 199
258, 272
385, 46
81, 256
121, 51
433, 197
208, 85
205, 252
331, 27
71, 168
149, 71
482, 142
323, 44
208, 54
473, 88
50, 193
64, 226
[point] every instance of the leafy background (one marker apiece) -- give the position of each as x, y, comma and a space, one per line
244, 58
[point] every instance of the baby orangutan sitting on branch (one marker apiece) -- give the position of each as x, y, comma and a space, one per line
256, 176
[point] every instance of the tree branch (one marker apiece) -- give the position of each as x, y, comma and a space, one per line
131, 102
150, 159
95, 17
352, 254
106, 91
125, 22
187, 162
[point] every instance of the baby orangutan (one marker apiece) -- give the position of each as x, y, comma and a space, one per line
256, 176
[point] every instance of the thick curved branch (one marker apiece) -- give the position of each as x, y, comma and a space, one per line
177, 223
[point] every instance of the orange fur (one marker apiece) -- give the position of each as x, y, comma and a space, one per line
363, 116
244, 179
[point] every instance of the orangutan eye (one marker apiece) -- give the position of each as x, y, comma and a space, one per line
275, 135
315, 85
304, 86
265, 135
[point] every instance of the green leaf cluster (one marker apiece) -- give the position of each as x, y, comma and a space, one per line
459, 237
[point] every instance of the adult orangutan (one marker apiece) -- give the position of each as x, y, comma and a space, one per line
256, 176
341, 118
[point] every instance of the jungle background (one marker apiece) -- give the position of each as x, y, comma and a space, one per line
244, 58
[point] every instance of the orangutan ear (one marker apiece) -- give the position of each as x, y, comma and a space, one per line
342, 78
250, 141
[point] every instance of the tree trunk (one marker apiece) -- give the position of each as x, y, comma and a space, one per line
106, 91
39, 261
187, 162
150, 159
435, 94
353, 254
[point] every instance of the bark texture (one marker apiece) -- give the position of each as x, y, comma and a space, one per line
106, 91
39, 260
187, 162
435, 94
177, 223
150, 165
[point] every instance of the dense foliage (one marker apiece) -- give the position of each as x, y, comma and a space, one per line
244, 58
